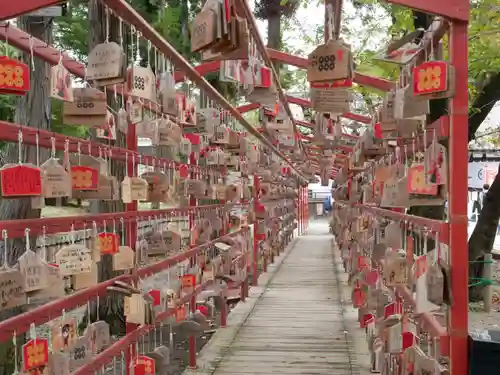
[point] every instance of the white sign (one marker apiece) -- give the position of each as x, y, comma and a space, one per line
481, 173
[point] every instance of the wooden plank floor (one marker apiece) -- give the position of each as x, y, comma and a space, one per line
298, 325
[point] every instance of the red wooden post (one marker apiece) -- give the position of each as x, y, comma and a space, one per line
132, 227
192, 303
255, 275
458, 186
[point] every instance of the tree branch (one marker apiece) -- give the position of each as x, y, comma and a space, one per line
484, 103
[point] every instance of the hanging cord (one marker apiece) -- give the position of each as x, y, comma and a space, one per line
330, 21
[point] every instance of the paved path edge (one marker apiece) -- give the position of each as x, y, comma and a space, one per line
214, 351
355, 336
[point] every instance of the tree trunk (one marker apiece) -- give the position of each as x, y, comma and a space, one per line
274, 35
482, 238
110, 309
33, 110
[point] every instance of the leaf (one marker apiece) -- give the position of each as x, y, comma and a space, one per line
283, 2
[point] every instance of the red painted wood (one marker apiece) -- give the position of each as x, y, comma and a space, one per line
454, 9
457, 201
13, 9
362, 79
352, 116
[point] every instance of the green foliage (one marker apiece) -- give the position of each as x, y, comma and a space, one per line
7, 107
484, 40
58, 126
173, 24
265, 9
71, 31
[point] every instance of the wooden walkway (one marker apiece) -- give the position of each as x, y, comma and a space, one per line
297, 321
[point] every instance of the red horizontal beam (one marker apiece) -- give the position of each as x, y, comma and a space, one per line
351, 116
14, 9
123, 344
359, 78
51, 225
202, 69
435, 226
428, 321
52, 310
304, 123
248, 107
21, 40
454, 9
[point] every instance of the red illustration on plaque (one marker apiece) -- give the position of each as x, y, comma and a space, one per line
156, 294
180, 313
14, 76
183, 171
430, 77
392, 309
420, 266
409, 339
416, 182
367, 319
35, 354
84, 178
21, 181
144, 366
332, 84
371, 277
362, 263
265, 77
358, 297
188, 283
410, 244
108, 243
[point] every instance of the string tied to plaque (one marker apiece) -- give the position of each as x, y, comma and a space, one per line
331, 20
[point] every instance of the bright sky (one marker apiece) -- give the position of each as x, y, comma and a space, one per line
313, 15
307, 20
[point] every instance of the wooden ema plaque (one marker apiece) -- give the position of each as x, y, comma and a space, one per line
202, 30
59, 363
61, 83
108, 243
21, 180
80, 353
105, 64
417, 182
56, 181
144, 365
124, 259
64, 334
141, 83
33, 269
35, 354
74, 259
14, 77
54, 289
188, 283
333, 100
84, 178
85, 279
330, 61
11, 289
180, 313
88, 108
430, 77
99, 336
